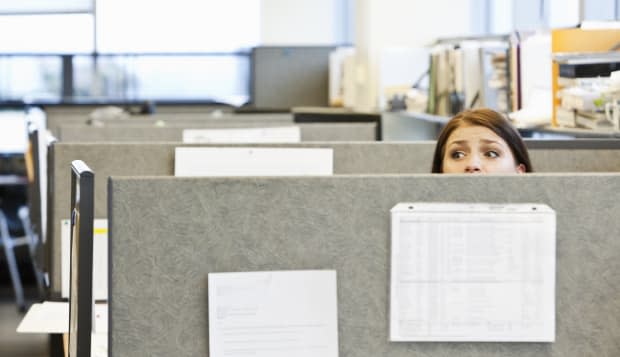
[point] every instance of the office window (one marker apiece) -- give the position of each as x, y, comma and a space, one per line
58, 33
528, 14
45, 6
507, 15
222, 78
563, 13
140, 26
601, 10
501, 19
31, 78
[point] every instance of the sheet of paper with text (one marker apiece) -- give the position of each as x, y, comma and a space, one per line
472, 272
273, 314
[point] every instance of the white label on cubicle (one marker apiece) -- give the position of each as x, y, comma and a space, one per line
207, 161
472, 272
286, 134
276, 313
100, 258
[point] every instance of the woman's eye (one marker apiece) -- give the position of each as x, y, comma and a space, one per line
457, 154
492, 154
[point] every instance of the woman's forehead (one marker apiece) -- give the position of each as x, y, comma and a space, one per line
473, 133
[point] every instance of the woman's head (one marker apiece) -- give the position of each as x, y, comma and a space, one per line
480, 141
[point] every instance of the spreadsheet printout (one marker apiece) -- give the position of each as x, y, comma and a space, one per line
472, 272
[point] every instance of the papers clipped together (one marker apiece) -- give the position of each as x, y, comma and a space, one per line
472, 272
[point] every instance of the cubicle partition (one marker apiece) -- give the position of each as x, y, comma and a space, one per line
283, 77
157, 159
309, 131
55, 121
168, 233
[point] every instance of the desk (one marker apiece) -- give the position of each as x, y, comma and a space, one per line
53, 318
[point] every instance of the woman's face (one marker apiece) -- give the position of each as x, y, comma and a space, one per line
477, 149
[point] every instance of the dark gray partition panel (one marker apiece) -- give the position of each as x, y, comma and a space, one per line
309, 132
290, 76
167, 234
143, 159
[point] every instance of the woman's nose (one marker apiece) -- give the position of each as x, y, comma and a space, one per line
473, 165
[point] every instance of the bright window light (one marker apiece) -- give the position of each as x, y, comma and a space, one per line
139, 26
71, 33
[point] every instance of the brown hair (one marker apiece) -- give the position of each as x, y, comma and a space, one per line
489, 119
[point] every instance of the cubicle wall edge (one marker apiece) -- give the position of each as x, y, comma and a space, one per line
51, 250
162, 252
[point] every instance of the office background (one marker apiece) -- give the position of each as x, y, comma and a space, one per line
193, 50
110, 51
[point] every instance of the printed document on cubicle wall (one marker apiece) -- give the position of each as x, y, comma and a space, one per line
273, 314
472, 272
100, 258
251, 161
284, 134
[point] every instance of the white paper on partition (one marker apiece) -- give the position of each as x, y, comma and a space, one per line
46, 317
53, 317
273, 314
245, 161
100, 258
285, 134
472, 272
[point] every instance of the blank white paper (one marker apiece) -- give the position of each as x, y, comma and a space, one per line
472, 272
285, 134
53, 317
207, 161
46, 317
100, 258
273, 314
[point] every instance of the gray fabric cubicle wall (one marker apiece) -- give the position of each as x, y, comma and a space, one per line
162, 250
55, 121
309, 132
143, 159
157, 159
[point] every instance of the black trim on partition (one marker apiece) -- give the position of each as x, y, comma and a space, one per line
49, 256
82, 218
353, 117
35, 186
67, 76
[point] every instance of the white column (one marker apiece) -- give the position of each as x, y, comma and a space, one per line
381, 24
